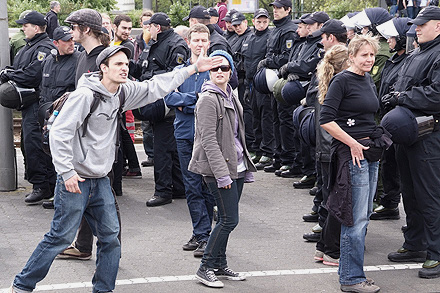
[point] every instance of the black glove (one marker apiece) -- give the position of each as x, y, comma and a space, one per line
247, 95
261, 64
4, 77
390, 101
292, 77
284, 71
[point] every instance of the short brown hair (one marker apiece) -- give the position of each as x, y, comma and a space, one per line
197, 28
148, 13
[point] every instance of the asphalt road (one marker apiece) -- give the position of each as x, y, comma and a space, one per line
267, 244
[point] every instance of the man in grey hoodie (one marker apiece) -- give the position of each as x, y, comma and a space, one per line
84, 156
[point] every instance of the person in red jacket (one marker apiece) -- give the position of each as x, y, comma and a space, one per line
222, 8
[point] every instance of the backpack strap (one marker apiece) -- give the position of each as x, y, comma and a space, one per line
93, 106
121, 124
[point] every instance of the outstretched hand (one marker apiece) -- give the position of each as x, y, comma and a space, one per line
205, 63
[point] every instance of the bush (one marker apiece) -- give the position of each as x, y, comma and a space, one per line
177, 12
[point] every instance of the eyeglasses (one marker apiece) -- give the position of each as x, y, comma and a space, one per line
73, 26
223, 68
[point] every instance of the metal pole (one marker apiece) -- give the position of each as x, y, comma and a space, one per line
8, 180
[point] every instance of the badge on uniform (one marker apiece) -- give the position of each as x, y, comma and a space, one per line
375, 70
41, 56
289, 44
180, 58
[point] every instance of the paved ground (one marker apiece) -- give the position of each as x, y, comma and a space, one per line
267, 245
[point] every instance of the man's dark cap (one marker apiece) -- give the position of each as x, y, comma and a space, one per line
62, 33
331, 26
199, 12
213, 12
33, 17
281, 3
228, 15
426, 14
319, 17
261, 12
299, 20
237, 18
110, 51
87, 17
159, 18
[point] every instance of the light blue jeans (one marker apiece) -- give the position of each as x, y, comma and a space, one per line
97, 203
363, 188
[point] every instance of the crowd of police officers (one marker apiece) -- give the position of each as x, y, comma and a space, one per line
281, 139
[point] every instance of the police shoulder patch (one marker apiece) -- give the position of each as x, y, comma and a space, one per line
375, 70
289, 44
41, 56
180, 58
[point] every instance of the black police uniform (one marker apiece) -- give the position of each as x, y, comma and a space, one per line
303, 64
217, 41
229, 36
419, 164
389, 172
253, 51
279, 45
237, 55
158, 57
58, 76
28, 73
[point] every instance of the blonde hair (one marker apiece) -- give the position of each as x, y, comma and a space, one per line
361, 40
335, 60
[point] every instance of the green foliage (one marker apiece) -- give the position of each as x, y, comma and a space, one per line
134, 15
16, 7
177, 12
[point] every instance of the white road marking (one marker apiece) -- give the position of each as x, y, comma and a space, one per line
248, 274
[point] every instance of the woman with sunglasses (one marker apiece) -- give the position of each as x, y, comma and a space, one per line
220, 155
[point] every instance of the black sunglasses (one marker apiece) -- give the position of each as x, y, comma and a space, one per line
223, 68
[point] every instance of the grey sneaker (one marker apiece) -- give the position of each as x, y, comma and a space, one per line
207, 277
363, 287
319, 255
200, 250
229, 274
330, 261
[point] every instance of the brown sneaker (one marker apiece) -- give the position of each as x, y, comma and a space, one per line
362, 287
73, 253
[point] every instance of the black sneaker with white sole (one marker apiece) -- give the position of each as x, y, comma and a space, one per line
207, 277
229, 274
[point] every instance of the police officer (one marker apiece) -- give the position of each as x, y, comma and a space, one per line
240, 25
279, 46
164, 51
390, 198
253, 51
302, 65
230, 32
418, 89
200, 14
58, 73
27, 73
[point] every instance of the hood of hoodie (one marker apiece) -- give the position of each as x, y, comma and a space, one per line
212, 87
92, 81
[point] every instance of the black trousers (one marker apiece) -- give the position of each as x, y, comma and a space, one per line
39, 168
390, 197
167, 175
283, 132
419, 167
331, 228
129, 151
247, 116
262, 124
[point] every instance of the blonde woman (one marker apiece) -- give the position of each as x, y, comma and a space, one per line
348, 116
327, 249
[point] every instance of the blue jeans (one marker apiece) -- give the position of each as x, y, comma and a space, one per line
200, 201
363, 187
393, 10
97, 204
227, 204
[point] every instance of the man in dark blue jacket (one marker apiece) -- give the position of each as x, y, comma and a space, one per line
199, 199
